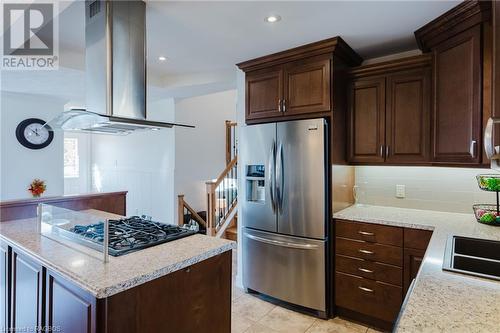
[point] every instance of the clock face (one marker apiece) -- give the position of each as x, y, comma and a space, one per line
34, 134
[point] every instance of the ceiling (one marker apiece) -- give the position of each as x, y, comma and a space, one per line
212, 36
206, 37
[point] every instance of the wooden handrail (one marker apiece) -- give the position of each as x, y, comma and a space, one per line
183, 204
223, 174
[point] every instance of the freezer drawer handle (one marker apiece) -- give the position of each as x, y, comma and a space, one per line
284, 244
366, 233
365, 251
368, 290
365, 270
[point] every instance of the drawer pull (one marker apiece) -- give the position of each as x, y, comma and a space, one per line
365, 270
368, 290
365, 251
366, 233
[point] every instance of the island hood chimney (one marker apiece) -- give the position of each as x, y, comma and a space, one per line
115, 76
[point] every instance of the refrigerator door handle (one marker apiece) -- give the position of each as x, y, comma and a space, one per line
271, 177
279, 178
283, 244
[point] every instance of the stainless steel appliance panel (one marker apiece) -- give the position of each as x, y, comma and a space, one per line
300, 178
289, 268
257, 150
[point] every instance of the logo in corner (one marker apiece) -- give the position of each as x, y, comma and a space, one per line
29, 36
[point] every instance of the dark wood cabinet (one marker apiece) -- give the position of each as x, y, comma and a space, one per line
412, 261
390, 112
69, 308
457, 121
34, 296
26, 292
264, 93
307, 86
415, 244
297, 83
374, 265
408, 116
4, 286
367, 120
459, 43
496, 59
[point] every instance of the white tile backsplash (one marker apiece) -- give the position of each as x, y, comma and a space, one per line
432, 188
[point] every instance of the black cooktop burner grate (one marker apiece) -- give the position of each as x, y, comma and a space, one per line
131, 234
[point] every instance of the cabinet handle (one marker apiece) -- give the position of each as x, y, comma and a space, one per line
279, 105
366, 233
381, 150
472, 149
284, 105
368, 290
365, 270
387, 150
365, 251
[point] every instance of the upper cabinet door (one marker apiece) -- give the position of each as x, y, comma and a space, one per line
457, 99
408, 116
367, 120
307, 86
264, 91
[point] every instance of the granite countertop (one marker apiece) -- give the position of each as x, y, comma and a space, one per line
440, 301
85, 267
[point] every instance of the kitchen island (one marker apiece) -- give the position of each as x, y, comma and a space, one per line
179, 286
440, 301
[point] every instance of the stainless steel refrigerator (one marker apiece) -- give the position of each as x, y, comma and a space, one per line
284, 207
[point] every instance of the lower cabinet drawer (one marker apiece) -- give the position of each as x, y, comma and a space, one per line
370, 270
372, 298
370, 251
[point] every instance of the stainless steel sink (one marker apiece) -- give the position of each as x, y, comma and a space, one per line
479, 257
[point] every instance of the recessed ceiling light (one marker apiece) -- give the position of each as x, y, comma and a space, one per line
273, 18
162, 58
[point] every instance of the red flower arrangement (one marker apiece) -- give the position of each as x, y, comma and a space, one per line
37, 187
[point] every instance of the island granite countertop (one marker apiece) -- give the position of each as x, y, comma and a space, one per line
85, 267
440, 301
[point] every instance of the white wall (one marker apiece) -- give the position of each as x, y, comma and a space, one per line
200, 152
20, 165
142, 163
433, 188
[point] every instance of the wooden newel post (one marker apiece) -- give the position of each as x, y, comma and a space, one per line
210, 208
180, 209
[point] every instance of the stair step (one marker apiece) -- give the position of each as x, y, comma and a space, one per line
232, 233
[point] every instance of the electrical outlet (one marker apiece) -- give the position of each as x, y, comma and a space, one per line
400, 191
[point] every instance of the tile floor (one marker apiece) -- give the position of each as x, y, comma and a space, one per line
251, 314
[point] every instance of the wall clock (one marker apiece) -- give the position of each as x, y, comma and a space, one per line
32, 133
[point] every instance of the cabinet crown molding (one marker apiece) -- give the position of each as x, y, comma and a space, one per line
336, 45
462, 17
382, 68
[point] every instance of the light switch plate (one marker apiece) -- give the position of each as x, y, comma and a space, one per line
400, 191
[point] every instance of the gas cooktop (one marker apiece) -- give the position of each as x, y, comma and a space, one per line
131, 234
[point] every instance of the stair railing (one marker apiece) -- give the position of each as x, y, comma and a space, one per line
184, 209
231, 141
222, 198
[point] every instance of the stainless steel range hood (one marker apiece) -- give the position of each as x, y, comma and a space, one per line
115, 77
